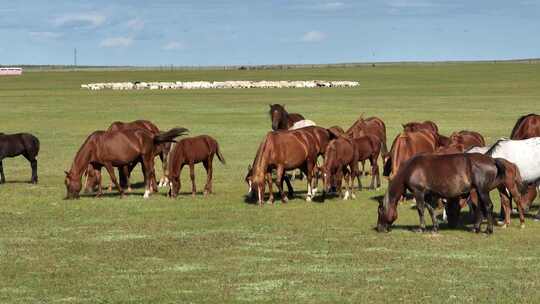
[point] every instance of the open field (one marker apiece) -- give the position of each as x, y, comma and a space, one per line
221, 249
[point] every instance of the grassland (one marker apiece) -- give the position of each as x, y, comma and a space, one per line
221, 249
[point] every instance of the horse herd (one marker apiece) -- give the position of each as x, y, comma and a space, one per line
453, 170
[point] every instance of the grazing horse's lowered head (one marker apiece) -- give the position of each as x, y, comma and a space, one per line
73, 186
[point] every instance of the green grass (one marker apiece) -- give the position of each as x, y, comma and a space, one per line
220, 249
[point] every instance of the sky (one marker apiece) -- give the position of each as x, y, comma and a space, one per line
251, 32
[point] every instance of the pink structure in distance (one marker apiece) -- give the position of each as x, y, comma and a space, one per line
10, 71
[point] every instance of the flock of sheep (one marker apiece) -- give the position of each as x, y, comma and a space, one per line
233, 84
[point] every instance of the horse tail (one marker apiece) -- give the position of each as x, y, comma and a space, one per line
501, 168
219, 155
170, 135
384, 147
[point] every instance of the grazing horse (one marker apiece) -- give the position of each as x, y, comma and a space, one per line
524, 154
190, 151
163, 149
468, 139
340, 154
417, 126
281, 119
117, 149
12, 145
430, 177
527, 126
405, 146
283, 150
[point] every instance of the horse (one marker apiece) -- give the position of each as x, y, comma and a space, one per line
281, 119
190, 151
417, 126
453, 176
24, 144
368, 148
340, 154
163, 149
249, 181
117, 149
468, 139
336, 131
405, 146
283, 150
527, 126
524, 154
450, 149
369, 126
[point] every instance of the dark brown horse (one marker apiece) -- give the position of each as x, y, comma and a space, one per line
281, 119
340, 154
527, 126
468, 139
417, 126
431, 177
407, 145
191, 151
24, 144
117, 149
283, 150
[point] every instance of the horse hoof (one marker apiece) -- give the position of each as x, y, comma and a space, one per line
504, 226
270, 202
146, 194
501, 223
308, 199
418, 230
353, 196
522, 226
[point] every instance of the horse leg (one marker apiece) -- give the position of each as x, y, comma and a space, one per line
163, 181
208, 167
420, 205
289, 186
374, 171
192, 176
33, 166
279, 181
431, 211
110, 169
488, 205
347, 179
309, 176
148, 169
2, 177
98, 178
270, 190
505, 205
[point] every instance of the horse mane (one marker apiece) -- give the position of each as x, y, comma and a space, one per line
495, 146
519, 121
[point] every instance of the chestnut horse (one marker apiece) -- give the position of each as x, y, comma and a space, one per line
281, 119
370, 126
468, 139
527, 126
117, 149
368, 148
163, 149
405, 146
340, 154
283, 150
430, 177
24, 144
191, 151
417, 126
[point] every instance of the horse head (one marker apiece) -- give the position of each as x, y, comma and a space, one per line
278, 115
73, 186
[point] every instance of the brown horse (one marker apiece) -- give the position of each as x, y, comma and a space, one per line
24, 144
405, 146
191, 151
431, 177
468, 139
370, 126
163, 149
340, 154
417, 126
450, 149
281, 119
117, 149
368, 148
336, 131
527, 126
283, 150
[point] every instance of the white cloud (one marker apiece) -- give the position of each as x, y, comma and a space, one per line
314, 36
174, 45
135, 24
45, 35
91, 20
115, 42
410, 4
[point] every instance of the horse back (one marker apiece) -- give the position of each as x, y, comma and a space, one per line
196, 149
526, 127
12, 145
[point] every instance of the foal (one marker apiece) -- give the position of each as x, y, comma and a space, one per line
190, 151
16, 144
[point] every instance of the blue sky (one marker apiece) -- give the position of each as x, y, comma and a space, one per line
210, 32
